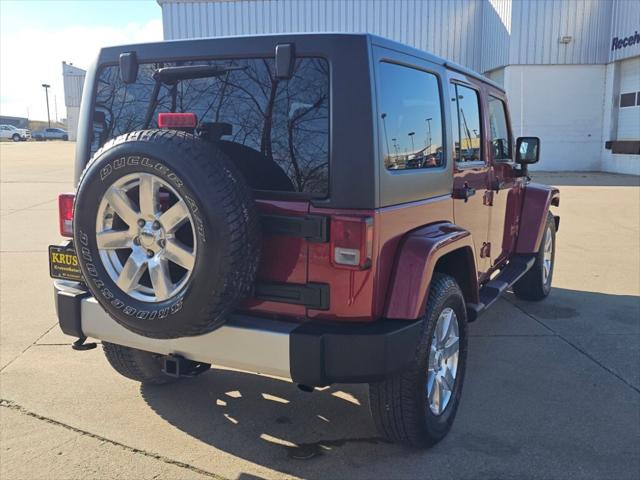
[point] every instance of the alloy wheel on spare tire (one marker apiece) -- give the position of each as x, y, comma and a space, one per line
166, 232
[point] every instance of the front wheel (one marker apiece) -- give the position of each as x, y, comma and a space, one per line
417, 407
536, 283
15, 137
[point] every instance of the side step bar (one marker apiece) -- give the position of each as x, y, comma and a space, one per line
493, 289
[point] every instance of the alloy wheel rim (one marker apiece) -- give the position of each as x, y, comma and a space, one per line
547, 256
146, 238
443, 361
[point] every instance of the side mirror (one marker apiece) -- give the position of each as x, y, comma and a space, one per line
527, 150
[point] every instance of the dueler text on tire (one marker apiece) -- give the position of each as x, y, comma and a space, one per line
417, 407
166, 233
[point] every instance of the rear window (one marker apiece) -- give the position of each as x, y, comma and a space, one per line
284, 123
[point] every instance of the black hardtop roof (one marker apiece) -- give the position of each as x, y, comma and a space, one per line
109, 53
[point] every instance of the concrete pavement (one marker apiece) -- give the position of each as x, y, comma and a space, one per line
552, 390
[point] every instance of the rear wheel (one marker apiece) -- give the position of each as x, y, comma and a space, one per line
417, 407
536, 283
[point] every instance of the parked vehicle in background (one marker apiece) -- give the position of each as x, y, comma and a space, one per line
328, 208
15, 134
51, 134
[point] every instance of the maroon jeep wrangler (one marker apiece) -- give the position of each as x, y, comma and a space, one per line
324, 208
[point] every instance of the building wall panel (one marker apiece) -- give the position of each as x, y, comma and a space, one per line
537, 27
451, 29
625, 23
496, 32
567, 117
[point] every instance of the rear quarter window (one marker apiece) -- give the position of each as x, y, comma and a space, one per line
411, 118
284, 122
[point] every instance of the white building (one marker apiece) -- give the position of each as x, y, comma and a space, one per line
570, 67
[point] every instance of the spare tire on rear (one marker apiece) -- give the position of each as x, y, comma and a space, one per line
166, 232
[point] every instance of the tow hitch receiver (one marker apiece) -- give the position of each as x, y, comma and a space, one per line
178, 366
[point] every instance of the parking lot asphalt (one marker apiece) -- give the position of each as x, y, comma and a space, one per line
552, 388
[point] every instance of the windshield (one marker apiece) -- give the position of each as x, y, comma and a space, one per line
284, 122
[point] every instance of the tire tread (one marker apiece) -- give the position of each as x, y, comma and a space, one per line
395, 406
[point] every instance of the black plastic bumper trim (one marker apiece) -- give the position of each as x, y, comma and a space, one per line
326, 353
68, 301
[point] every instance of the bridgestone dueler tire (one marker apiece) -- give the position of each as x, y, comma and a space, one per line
225, 220
399, 404
137, 365
532, 286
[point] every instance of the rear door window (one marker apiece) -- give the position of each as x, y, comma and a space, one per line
500, 137
466, 125
284, 123
411, 118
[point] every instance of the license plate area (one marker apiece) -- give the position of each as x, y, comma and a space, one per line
63, 263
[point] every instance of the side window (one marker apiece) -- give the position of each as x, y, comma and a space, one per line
466, 124
411, 118
500, 140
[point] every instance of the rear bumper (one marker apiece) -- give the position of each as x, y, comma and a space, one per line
311, 353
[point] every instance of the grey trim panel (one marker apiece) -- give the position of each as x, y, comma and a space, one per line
240, 343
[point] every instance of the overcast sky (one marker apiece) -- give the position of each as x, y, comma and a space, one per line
36, 36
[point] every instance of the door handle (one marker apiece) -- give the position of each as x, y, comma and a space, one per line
464, 193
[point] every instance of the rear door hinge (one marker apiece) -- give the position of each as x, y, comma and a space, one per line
313, 228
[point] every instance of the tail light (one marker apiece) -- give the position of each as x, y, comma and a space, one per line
177, 121
65, 212
352, 241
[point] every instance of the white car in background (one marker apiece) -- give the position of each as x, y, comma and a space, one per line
15, 134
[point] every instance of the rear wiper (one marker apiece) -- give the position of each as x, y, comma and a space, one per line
172, 75
189, 72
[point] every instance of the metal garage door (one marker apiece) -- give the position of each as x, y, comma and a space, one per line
629, 101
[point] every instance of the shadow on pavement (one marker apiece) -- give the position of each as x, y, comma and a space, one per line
263, 419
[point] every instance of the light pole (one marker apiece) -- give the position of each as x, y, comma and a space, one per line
429, 128
46, 93
413, 148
